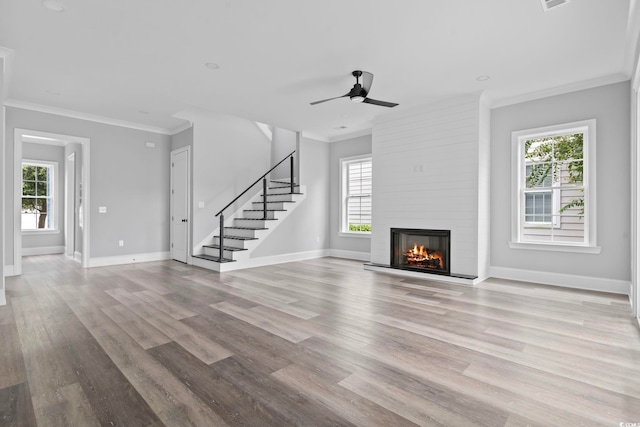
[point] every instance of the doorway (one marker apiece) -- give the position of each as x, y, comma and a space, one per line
80, 215
180, 202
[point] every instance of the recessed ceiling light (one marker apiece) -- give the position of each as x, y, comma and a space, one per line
53, 5
52, 92
212, 65
143, 112
483, 78
340, 127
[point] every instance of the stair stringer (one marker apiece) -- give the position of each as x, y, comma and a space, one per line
243, 259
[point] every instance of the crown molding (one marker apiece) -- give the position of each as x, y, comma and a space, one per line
559, 90
85, 116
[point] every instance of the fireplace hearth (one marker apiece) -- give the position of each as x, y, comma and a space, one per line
421, 250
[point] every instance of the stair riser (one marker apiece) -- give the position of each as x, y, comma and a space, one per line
239, 222
216, 252
275, 205
258, 214
230, 242
279, 197
240, 232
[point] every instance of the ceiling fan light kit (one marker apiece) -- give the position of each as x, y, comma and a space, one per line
359, 92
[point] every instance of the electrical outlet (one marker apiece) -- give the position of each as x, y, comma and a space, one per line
121, 243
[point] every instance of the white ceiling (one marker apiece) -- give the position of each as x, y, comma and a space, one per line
143, 61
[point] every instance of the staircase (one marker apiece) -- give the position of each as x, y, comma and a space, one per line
251, 224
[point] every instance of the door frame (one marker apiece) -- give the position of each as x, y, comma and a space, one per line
17, 191
70, 205
188, 190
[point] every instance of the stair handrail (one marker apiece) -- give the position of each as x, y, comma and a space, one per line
262, 177
264, 199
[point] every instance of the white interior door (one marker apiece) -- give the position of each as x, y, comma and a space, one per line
180, 204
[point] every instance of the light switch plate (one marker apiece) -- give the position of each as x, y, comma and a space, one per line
102, 209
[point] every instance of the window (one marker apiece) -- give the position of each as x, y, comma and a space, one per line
554, 195
37, 211
356, 195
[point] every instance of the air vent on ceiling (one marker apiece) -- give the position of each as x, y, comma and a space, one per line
550, 4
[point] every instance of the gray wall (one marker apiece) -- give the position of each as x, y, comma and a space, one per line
50, 153
307, 227
132, 181
610, 106
347, 148
182, 139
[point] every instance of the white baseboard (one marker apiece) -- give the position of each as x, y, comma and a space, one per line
360, 256
9, 271
77, 256
45, 250
128, 259
3, 299
563, 280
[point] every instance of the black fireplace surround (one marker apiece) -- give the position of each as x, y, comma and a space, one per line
422, 250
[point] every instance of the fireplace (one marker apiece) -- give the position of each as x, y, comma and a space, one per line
421, 250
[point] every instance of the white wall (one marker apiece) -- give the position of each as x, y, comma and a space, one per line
229, 154
444, 140
282, 144
610, 106
338, 150
307, 227
51, 153
132, 181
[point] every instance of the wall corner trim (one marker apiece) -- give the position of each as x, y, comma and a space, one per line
588, 283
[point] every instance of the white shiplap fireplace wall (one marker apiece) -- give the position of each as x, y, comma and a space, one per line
431, 171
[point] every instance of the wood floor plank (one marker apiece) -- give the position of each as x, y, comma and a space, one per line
16, 409
78, 411
171, 400
281, 330
11, 362
172, 309
46, 371
348, 405
142, 332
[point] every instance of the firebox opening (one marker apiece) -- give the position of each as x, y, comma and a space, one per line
421, 250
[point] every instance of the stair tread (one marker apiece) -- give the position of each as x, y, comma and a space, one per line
214, 258
262, 210
282, 194
283, 186
238, 237
258, 219
276, 201
225, 248
246, 228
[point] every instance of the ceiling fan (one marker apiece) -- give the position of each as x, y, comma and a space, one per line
359, 91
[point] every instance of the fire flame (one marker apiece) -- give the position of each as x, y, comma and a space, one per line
423, 257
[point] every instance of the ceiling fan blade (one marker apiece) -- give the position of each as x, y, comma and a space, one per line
380, 103
329, 99
367, 80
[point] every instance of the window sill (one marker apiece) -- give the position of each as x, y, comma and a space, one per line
39, 232
551, 247
357, 235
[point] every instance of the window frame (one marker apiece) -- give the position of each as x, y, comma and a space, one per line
518, 168
53, 182
343, 220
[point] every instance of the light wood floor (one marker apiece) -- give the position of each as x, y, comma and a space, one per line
320, 342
